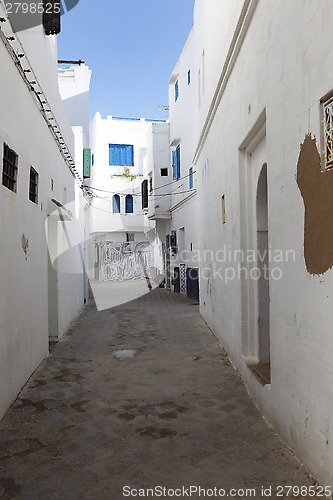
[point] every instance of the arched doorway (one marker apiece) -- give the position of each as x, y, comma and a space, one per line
263, 267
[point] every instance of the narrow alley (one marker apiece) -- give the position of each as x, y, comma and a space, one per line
139, 396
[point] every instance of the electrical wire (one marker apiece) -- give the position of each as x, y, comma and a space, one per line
172, 182
113, 213
139, 194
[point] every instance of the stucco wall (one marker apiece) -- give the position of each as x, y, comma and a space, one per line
24, 297
267, 101
108, 180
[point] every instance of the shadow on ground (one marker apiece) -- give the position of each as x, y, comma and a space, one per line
139, 395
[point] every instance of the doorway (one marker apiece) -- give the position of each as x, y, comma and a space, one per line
254, 200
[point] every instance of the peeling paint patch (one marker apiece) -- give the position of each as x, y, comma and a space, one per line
317, 192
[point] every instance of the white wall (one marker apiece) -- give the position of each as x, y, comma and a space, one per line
24, 304
159, 199
158, 157
184, 131
257, 106
107, 180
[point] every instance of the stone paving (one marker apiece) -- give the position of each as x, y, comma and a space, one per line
140, 396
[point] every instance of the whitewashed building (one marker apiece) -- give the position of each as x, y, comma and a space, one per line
251, 112
37, 301
124, 151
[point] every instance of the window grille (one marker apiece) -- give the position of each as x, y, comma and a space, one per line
33, 186
9, 170
328, 132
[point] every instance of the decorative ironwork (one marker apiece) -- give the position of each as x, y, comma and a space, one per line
328, 132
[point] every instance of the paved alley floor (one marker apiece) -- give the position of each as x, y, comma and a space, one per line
139, 396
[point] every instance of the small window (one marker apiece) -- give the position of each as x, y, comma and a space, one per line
176, 163
129, 237
129, 204
328, 132
116, 204
33, 186
9, 169
164, 172
189, 77
121, 155
176, 90
190, 177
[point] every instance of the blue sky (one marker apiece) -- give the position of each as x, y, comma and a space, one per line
131, 47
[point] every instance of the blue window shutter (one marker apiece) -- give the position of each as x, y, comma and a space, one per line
121, 155
176, 90
189, 77
116, 204
178, 162
129, 204
174, 164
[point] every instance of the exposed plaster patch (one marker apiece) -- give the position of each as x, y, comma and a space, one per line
25, 246
317, 192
